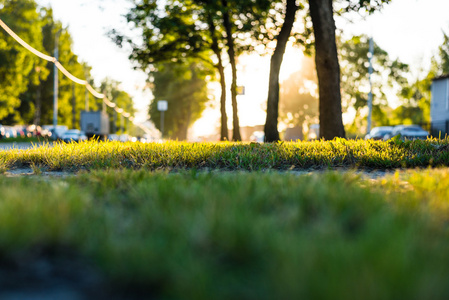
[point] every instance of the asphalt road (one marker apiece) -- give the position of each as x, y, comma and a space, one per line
20, 146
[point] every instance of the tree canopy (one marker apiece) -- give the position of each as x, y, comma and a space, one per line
18, 65
184, 87
26, 81
388, 79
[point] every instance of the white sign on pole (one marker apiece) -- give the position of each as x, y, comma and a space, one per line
162, 105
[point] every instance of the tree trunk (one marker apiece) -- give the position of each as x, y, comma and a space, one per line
271, 123
328, 69
224, 118
216, 49
231, 52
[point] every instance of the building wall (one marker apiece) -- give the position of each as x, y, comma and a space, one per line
439, 107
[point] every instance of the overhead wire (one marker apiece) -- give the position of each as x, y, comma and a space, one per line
71, 76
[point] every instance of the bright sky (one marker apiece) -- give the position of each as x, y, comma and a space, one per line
410, 30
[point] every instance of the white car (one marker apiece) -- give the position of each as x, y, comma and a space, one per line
74, 135
409, 132
378, 133
257, 136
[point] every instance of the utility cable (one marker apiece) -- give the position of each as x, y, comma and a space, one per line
24, 44
70, 76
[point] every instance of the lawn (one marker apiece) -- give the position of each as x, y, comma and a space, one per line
205, 227
231, 156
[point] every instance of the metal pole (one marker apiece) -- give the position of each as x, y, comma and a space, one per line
121, 124
162, 124
103, 103
55, 85
370, 95
114, 127
86, 94
73, 106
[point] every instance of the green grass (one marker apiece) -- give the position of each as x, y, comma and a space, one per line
232, 156
219, 221
241, 235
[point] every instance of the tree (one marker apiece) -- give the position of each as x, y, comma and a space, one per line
18, 65
271, 131
328, 69
444, 55
71, 97
111, 89
178, 32
184, 87
326, 58
389, 78
187, 29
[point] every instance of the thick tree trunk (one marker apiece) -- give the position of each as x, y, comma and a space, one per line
328, 69
271, 123
216, 49
231, 52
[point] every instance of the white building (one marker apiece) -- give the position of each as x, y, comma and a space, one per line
439, 106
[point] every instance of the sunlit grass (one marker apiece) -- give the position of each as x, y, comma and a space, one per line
205, 233
231, 156
241, 235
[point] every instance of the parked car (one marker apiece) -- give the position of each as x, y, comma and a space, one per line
74, 135
314, 132
409, 132
124, 138
10, 132
378, 133
54, 133
257, 136
113, 137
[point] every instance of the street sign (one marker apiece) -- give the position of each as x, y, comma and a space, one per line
240, 90
162, 105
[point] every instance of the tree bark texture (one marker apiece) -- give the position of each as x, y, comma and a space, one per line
231, 52
328, 69
271, 123
217, 51
224, 118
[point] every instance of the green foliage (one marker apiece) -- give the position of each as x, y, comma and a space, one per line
123, 100
26, 81
17, 65
389, 76
184, 87
169, 32
444, 55
70, 61
362, 6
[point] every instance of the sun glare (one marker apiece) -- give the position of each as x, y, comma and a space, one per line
253, 75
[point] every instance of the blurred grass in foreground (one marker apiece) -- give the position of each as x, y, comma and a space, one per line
240, 235
231, 156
